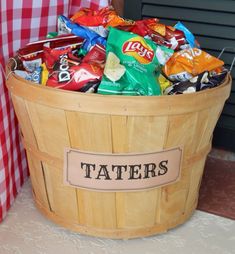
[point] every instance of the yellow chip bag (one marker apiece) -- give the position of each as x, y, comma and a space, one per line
164, 83
44, 74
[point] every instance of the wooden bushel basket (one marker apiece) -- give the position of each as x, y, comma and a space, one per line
52, 119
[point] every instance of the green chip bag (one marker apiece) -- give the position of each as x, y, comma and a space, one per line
132, 64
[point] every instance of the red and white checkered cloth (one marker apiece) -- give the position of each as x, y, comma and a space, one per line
23, 21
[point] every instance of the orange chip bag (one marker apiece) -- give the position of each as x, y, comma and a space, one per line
188, 63
159, 28
88, 17
104, 17
115, 20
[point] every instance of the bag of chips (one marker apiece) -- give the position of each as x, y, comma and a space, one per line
51, 56
188, 63
132, 64
32, 54
201, 82
73, 77
167, 36
91, 37
189, 36
95, 55
104, 17
45, 74
34, 76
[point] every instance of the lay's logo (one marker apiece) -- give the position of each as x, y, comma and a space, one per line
139, 49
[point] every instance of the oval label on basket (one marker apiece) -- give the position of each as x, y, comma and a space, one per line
121, 172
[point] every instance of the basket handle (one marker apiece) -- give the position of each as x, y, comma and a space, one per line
6, 76
225, 49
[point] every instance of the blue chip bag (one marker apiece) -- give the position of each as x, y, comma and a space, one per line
189, 36
65, 25
34, 76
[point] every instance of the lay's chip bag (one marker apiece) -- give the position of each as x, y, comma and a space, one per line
132, 64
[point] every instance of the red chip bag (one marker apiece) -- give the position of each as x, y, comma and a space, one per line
141, 27
51, 56
32, 54
74, 77
104, 17
88, 17
95, 55
167, 35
